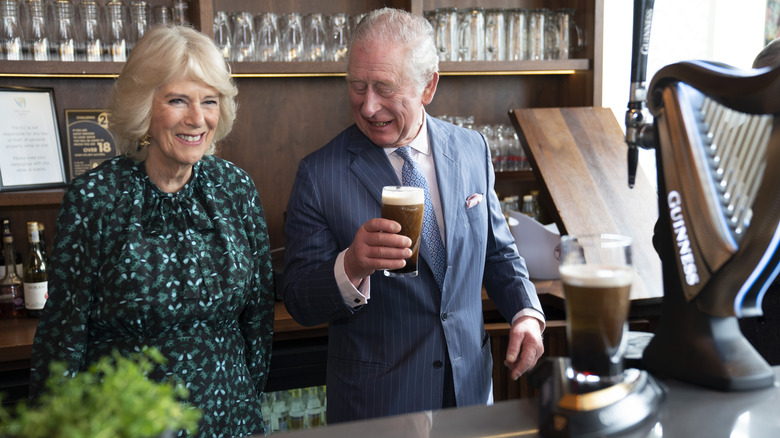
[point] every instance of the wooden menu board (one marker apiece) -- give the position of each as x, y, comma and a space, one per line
578, 156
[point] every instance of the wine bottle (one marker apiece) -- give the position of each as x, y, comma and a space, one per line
36, 278
11, 290
42, 239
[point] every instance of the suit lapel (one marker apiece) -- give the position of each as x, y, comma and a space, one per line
448, 170
370, 164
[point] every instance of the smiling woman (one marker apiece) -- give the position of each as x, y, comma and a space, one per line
166, 246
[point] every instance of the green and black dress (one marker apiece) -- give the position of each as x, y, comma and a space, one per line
188, 273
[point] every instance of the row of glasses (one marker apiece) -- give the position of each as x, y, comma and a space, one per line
79, 30
289, 37
505, 150
480, 34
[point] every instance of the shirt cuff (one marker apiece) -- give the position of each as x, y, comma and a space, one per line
353, 296
533, 313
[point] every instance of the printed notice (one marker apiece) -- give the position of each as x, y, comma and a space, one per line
29, 142
89, 142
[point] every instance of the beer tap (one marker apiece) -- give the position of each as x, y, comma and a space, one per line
639, 122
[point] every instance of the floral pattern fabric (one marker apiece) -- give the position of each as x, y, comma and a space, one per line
188, 273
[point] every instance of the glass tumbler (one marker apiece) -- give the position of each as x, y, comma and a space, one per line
12, 37
471, 32
117, 31
243, 37
91, 31
339, 31
537, 19
223, 36
315, 37
268, 37
495, 35
447, 33
292, 37
140, 20
517, 34
38, 39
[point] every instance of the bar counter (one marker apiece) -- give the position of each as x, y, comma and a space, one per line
300, 353
16, 335
688, 411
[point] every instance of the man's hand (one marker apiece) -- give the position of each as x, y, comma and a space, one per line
525, 346
376, 246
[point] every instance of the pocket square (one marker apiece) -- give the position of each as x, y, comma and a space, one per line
473, 200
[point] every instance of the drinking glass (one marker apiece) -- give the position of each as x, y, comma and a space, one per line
162, 15
315, 37
91, 30
339, 36
517, 34
243, 37
181, 12
447, 33
495, 35
12, 37
38, 40
117, 32
597, 273
471, 32
223, 35
570, 35
536, 34
405, 205
65, 35
140, 12
267, 37
292, 37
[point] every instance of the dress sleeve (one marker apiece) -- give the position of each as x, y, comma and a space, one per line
62, 330
257, 319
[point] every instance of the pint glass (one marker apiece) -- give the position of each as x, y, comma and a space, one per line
596, 272
405, 205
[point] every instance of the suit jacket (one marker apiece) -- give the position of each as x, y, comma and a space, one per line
386, 357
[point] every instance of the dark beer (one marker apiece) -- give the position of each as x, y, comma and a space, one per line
597, 302
405, 205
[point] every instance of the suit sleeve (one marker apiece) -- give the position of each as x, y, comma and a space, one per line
506, 276
311, 293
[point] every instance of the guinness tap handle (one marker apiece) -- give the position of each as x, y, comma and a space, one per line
637, 116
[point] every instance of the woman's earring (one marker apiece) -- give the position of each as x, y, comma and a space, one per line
144, 140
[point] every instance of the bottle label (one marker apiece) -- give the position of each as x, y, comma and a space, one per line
35, 295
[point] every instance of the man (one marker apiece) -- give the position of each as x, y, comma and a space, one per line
399, 345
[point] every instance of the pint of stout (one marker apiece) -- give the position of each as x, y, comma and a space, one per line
596, 273
405, 205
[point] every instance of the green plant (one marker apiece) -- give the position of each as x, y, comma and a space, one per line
113, 398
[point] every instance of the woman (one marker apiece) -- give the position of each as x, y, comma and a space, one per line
166, 245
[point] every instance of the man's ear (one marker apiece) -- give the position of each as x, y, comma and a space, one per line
430, 89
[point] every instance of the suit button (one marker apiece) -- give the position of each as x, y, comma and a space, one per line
437, 364
444, 316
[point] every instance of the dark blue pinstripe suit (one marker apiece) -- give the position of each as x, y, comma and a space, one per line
383, 358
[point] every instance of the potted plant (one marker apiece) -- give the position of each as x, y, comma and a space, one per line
113, 398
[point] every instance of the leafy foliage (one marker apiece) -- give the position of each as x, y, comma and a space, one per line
113, 398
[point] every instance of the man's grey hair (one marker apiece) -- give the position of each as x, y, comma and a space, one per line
399, 27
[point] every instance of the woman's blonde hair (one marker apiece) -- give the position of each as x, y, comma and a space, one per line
162, 54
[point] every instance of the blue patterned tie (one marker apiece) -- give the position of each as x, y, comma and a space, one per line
412, 176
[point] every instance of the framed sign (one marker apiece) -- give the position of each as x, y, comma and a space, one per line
89, 142
29, 140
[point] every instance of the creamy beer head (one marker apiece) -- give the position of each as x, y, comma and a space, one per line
402, 195
596, 276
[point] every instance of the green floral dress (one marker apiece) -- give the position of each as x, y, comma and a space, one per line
188, 273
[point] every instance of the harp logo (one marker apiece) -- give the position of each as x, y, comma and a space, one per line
687, 261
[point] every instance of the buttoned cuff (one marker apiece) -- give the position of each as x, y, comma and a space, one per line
353, 296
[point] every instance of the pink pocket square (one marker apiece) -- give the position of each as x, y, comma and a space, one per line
473, 200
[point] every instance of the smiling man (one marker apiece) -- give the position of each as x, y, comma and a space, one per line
399, 345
